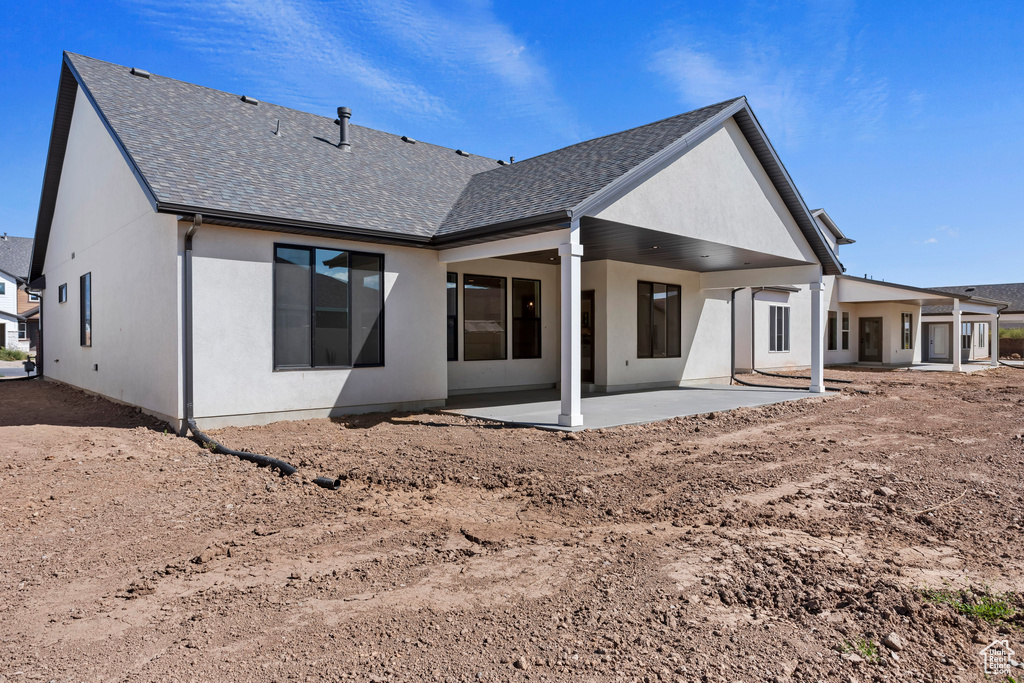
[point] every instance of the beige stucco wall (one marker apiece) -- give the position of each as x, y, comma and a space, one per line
719, 192
512, 373
104, 224
236, 382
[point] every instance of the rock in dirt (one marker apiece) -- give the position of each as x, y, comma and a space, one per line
885, 491
894, 642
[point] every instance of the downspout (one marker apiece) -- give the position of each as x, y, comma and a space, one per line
189, 382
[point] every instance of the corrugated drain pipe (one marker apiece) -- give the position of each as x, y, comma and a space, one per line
205, 441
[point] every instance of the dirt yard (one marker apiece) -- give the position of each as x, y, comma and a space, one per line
783, 543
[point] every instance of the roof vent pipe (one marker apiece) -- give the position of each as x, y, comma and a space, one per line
344, 114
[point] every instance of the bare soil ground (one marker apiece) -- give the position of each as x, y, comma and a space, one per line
781, 543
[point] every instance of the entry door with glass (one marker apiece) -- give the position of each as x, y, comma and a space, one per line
587, 336
938, 342
871, 340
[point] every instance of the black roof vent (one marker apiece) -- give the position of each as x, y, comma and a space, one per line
501, 162
461, 153
250, 100
406, 138
140, 73
344, 114
969, 289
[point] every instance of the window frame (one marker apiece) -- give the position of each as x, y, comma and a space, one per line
3, 288
32, 298
845, 331
85, 301
539, 319
906, 331
312, 311
452, 317
678, 289
832, 334
505, 316
22, 330
966, 335
981, 338
778, 313
62, 294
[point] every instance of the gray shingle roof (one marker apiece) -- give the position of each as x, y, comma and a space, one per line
16, 255
1012, 293
205, 148
559, 180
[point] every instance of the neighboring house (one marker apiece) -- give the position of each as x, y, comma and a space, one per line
17, 322
204, 254
868, 321
976, 334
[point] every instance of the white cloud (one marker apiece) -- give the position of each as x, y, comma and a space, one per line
931, 240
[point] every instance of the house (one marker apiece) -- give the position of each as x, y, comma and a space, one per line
869, 322
976, 334
18, 321
207, 255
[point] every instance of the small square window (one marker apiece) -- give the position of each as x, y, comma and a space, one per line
33, 298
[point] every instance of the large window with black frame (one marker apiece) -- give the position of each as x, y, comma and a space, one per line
484, 315
658, 321
85, 310
525, 318
328, 308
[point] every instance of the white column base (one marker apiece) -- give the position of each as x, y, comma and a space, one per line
570, 420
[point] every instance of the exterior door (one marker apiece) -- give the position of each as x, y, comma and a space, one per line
587, 336
938, 342
871, 340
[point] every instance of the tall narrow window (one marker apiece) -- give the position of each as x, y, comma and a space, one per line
908, 330
328, 308
658, 320
846, 331
483, 304
62, 294
3, 287
453, 316
525, 318
22, 331
85, 310
833, 329
965, 336
778, 328
982, 337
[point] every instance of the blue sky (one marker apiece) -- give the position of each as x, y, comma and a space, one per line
901, 119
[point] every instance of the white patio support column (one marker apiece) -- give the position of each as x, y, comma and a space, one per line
957, 336
817, 338
571, 365
994, 327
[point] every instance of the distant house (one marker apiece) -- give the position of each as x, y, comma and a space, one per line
976, 334
869, 322
19, 308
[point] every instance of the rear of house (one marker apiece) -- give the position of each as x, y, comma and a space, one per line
236, 262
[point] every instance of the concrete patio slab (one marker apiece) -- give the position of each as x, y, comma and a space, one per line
974, 366
541, 408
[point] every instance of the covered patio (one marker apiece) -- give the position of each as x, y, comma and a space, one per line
601, 410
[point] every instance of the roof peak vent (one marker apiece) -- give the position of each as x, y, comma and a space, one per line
461, 153
249, 100
406, 138
141, 73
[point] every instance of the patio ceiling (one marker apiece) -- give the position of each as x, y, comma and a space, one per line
605, 240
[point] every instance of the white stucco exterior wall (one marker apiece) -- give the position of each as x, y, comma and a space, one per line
8, 319
235, 380
512, 373
103, 224
717, 191
704, 321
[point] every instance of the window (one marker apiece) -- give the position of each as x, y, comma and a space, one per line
483, 304
453, 316
907, 327
833, 325
3, 287
965, 336
62, 294
33, 298
328, 308
85, 310
982, 337
525, 318
778, 328
658, 320
846, 331
22, 330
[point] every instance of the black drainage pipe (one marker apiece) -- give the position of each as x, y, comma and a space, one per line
775, 374
1009, 365
262, 460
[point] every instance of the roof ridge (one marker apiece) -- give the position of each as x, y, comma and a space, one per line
272, 104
